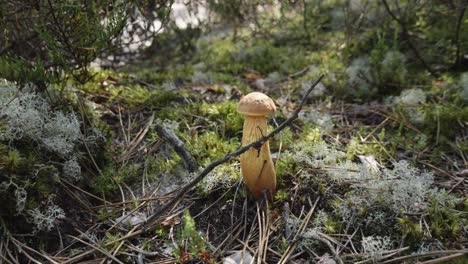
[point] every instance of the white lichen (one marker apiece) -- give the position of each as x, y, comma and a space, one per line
394, 66
72, 170
463, 83
225, 176
30, 116
322, 120
20, 196
375, 246
402, 189
411, 97
46, 219
359, 73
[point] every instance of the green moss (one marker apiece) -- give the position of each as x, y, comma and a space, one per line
310, 134
371, 147
410, 228
210, 146
161, 164
108, 181
13, 160
190, 242
446, 221
442, 120
219, 55
281, 196
285, 165
45, 181
223, 116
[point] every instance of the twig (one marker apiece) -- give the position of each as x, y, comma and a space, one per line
426, 254
137, 140
96, 247
21, 246
457, 35
442, 259
287, 254
179, 147
257, 144
330, 246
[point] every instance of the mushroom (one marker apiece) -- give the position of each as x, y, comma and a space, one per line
257, 165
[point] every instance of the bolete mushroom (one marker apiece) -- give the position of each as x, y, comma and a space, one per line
257, 168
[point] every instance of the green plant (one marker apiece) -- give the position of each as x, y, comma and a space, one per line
190, 243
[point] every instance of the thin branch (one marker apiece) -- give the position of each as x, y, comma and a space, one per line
98, 248
257, 144
457, 35
425, 254
179, 147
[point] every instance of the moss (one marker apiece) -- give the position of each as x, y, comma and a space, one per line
441, 122
13, 160
284, 140
46, 179
310, 134
223, 116
372, 147
410, 229
219, 55
210, 146
108, 181
162, 164
285, 165
446, 222
223, 55
190, 244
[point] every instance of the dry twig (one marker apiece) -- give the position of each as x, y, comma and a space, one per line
257, 144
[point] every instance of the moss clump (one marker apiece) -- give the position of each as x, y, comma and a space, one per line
224, 117
447, 216
441, 119
210, 146
111, 177
162, 164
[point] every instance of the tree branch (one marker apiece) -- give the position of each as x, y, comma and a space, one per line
408, 38
257, 144
457, 35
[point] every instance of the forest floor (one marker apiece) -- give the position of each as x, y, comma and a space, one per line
373, 169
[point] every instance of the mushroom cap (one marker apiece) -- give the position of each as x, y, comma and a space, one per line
256, 104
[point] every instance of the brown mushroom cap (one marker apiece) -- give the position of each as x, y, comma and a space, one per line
256, 104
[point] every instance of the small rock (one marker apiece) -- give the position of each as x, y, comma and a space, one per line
236, 258
132, 220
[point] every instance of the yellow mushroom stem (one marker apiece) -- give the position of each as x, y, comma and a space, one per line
257, 165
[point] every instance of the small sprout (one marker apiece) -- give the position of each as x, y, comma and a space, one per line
14, 159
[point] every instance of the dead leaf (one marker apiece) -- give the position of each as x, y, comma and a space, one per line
251, 76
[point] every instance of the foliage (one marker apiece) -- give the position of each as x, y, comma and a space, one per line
62, 36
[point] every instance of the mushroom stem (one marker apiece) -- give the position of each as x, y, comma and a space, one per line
257, 165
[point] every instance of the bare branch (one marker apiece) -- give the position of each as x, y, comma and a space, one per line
257, 144
179, 147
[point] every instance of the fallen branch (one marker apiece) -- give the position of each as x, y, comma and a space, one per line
257, 144
179, 147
